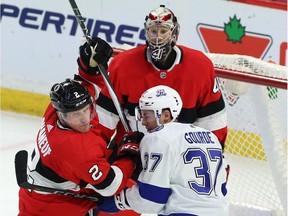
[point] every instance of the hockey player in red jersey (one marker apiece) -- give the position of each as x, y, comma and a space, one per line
162, 61
70, 155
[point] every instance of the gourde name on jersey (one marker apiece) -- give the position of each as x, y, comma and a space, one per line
183, 172
198, 137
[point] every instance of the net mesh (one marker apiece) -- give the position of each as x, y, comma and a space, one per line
254, 172
256, 145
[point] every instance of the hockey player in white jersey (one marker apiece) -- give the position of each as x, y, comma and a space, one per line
183, 171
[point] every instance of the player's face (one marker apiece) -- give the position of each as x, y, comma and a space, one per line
158, 34
148, 119
79, 120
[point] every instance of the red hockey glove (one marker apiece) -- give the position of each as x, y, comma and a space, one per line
91, 56
129, 146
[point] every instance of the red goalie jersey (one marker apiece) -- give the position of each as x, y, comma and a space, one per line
191, 74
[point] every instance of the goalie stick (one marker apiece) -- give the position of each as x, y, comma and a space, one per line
21, 158
101, 68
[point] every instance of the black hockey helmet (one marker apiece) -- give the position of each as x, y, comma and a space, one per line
69, 96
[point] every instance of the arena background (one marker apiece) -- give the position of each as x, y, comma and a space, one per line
40, 39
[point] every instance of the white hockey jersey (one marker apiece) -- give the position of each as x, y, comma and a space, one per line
183, 173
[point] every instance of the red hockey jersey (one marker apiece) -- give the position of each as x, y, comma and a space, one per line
192, 75
69, 160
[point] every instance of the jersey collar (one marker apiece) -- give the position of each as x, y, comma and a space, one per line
176, 61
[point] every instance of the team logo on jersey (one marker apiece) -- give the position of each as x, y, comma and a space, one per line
163, 75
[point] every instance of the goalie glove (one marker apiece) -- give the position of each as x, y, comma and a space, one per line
115, 203
92, 56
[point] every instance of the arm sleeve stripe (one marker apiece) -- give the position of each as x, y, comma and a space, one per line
107, 181
130, 106
113, 183
106, 103
187, 115
154, 193
48, 173
211, 108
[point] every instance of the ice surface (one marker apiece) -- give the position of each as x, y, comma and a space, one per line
18, 132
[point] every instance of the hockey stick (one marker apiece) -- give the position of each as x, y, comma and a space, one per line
21, 176
101, 68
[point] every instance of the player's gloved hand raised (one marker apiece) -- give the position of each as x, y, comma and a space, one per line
129, 146
91, 56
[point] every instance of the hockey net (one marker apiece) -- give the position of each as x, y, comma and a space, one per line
256, 146
255, 94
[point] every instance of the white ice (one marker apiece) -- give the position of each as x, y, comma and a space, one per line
18, 132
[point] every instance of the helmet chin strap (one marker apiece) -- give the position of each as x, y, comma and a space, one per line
61, 116
62, 119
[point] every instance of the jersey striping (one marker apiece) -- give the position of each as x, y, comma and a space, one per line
192, 75
183, 172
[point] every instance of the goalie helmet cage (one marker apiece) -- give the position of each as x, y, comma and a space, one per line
255, 95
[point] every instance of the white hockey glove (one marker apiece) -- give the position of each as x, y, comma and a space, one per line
115, 203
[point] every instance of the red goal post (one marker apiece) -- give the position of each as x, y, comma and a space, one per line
255, 94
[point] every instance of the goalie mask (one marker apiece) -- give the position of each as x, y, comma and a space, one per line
161, 31
158, 98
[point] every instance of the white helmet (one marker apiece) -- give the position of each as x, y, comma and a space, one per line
160, 97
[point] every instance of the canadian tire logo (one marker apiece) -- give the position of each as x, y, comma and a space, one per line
232, 38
